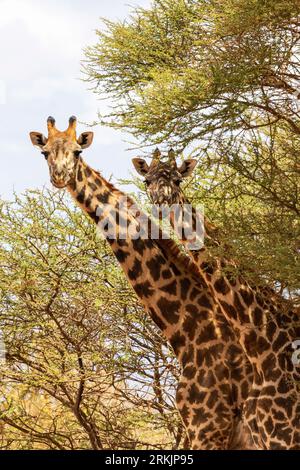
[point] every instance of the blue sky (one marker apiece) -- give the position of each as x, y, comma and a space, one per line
42, 44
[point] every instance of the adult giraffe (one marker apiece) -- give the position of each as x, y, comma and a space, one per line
215, 378
266, 329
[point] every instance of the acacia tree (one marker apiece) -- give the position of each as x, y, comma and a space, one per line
85, 367
251, 190
190, 69
220, 80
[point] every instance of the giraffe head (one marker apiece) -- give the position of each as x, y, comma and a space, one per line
163, 178
62, 150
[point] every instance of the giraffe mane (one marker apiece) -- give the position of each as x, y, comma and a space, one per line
182, 259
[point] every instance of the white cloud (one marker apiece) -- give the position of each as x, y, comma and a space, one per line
42, 42
2, 92
39, 89
57, 29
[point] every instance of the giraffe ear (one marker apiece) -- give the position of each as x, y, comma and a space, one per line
141, 166
186, 169
85, 139
38, 139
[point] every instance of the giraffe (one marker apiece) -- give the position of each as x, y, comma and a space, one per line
215, 379
265, 328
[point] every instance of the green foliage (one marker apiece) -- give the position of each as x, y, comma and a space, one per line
84, 362
251, 190
220, 80
186, 69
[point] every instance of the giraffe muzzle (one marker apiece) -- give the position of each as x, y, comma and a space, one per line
166, 196
60, 179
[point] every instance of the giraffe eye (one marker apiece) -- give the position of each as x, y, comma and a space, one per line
77, 153
46, 155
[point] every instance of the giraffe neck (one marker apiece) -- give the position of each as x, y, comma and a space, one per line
170, 288
243, 305
193, 229
154, 268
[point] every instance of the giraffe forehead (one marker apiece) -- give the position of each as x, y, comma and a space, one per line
164, 172
61, 145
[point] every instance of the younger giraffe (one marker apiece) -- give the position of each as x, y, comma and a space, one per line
265, 329
215, 379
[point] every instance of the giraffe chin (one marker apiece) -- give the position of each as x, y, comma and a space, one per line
164, 204
59, 184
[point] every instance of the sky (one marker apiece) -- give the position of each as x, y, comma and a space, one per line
40, 75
